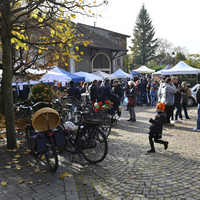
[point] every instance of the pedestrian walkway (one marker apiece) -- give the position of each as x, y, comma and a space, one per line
128, 172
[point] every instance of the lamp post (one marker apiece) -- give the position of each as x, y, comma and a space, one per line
173, 55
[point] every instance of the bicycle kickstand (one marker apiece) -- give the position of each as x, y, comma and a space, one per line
40, 155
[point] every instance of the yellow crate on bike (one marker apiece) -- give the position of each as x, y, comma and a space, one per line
58, 136
37, 142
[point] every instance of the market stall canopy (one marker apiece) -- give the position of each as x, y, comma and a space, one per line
159, 72
181, 68
74, 77
105, 75
88, 76
120, 74
144, 70
134, 72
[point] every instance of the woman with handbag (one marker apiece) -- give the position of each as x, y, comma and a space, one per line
132, 92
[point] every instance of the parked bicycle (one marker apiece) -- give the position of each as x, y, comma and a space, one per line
43, 142
87, 138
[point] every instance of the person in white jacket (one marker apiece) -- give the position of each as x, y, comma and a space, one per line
166, 93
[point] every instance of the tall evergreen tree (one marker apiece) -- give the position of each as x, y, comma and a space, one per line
144, 44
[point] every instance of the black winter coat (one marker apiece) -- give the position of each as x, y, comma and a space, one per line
157, 123
74, 91
94, 93
106, 93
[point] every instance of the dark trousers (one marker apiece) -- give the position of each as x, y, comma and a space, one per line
169, 112
184, 105
156, 140
178, 112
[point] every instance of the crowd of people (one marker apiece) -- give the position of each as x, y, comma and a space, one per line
139, 92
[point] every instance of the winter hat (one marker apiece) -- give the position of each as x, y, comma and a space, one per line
161, 106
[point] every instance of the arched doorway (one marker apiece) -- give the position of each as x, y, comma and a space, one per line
101, 62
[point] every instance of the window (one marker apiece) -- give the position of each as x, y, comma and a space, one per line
118, 62
101, 62
118, 41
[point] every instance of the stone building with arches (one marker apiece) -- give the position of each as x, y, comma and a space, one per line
105, 51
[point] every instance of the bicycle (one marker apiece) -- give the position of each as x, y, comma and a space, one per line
89, 140
50, 150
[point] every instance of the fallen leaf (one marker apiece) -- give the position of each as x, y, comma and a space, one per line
28, 150
39, 181
3, 142
21, 181
133, 176
20, 167
44, 171
31, 173
28, 164
1, 137
17, 156
31, 182
37, 170
66, 174
15, 162
42, 158
47, 183
4, 182
14, 159
21, 141
84, 183
26, 153
7, 167
9, 163
23, 135
62, 176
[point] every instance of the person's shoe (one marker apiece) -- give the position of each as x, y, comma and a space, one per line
151, 151
119, 119
166, 145
133, 120
169, 124
129, 120
196, 129
174, 121
187, 118
178, 121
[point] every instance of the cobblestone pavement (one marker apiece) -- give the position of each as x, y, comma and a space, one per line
127, 172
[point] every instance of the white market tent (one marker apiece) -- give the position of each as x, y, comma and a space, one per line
120, 74
144, 70
159, 72
181, 68
88, 76
105, 75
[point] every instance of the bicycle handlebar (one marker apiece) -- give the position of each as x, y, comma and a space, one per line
32, 105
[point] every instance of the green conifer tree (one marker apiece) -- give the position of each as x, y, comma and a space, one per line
144, 44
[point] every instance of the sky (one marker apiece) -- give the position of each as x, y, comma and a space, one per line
178, 21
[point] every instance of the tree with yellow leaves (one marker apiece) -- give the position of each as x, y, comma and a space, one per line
31, 32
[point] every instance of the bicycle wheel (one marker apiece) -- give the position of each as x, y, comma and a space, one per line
62, 148
106, 126
93, 144
51, 155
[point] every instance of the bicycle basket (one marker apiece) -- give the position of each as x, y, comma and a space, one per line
45, 119
93, 116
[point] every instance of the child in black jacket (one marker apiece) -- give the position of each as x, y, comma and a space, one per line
156, 128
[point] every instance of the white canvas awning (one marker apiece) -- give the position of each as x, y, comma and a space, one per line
105, 75
181, 68
144, 70
120, 74
88, 76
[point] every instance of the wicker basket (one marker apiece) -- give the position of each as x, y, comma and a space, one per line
45, 119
